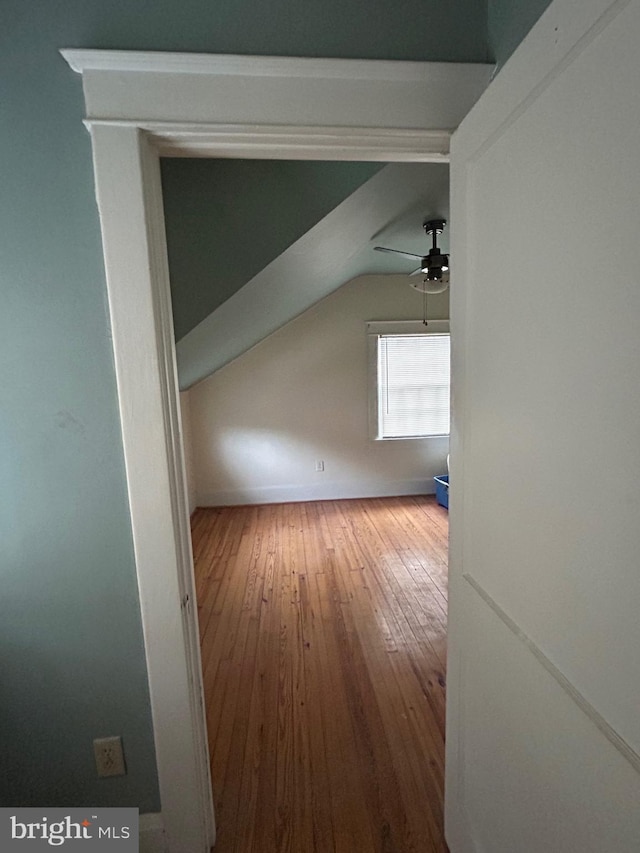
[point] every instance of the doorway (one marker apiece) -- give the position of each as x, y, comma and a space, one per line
187, 106
266, 573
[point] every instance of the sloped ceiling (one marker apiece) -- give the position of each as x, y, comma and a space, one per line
226, 220
321, 226
508, 22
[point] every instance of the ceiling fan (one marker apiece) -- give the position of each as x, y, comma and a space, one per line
434, 265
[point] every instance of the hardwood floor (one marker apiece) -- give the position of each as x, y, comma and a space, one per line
323, 629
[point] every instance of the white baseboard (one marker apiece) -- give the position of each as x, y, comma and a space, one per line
151, 833
317, 492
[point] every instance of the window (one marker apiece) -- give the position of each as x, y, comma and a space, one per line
411, 379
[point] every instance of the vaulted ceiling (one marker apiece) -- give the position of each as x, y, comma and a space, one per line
228, 219
253, 244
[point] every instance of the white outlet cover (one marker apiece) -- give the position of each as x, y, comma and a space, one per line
109, 756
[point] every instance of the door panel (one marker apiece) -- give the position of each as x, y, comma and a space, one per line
538, 774
544, 679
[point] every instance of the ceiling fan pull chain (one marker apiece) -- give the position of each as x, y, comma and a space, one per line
424, 308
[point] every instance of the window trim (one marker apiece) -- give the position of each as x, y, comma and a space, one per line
374, 329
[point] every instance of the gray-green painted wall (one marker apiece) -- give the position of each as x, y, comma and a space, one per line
72, 663
71, 643
227, 219
508, 23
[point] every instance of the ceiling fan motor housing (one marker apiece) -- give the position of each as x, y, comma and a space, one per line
435, 264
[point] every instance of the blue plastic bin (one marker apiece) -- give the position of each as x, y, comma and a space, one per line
442, 490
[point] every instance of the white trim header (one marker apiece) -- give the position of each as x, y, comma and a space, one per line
202, 92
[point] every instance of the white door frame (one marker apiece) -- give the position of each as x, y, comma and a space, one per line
143, 106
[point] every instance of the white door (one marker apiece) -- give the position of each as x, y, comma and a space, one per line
544, 668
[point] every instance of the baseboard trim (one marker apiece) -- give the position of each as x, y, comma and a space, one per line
151, 832
317, 492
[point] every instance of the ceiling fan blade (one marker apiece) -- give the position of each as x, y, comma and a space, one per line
397, 252
415, 272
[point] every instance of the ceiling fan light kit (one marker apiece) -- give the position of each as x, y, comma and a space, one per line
431, 286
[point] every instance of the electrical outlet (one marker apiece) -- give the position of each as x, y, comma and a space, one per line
109, 756
319, 464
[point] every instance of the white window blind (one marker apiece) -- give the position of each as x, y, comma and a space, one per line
413, 385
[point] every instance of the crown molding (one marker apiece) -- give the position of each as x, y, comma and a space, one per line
241, 65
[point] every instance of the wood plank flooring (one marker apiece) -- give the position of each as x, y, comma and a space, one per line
323, 630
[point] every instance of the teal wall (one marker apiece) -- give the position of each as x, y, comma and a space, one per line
72, 665
227, 219
508, 23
